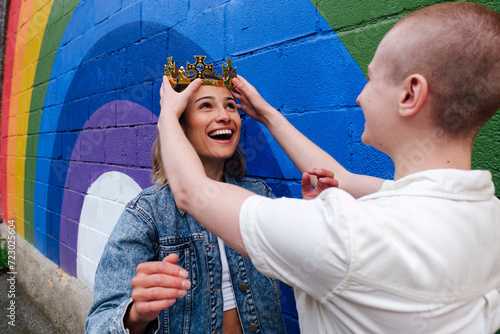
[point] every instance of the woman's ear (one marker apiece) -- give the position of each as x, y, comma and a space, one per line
414, 94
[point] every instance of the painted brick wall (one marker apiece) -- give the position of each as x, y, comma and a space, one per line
80, 102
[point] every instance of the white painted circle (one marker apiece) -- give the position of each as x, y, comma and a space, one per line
104, 203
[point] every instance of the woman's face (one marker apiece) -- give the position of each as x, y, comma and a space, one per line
212, 123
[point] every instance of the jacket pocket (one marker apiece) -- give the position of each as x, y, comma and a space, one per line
185, 249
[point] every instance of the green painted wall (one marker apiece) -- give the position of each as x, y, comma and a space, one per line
362, 25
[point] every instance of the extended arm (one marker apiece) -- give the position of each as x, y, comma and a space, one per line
216, 205
303, 152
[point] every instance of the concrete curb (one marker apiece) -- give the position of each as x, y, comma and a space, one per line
63, 298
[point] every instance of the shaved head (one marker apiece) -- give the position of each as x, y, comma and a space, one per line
456, 47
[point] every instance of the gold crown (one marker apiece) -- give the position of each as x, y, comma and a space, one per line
199, 69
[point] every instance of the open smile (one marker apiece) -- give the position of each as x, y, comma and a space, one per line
222, 134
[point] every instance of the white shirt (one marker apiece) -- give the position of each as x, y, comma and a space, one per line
422, 255
228, 296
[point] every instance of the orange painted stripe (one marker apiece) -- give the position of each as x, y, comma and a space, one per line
22, 38
13, 21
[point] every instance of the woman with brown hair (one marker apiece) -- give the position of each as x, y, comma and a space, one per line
161, 270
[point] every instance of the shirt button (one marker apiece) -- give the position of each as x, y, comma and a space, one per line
253, 327
215, 289
243, 287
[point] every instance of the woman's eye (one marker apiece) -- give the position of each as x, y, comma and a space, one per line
231, 106
205, 106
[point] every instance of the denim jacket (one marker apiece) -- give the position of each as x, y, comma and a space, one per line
150, 228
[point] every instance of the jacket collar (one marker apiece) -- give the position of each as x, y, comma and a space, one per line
227, 179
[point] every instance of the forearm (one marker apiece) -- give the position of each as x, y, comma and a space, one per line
306, 155
215, 205
303, 152
181, 163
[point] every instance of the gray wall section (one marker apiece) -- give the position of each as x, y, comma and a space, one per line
62, 298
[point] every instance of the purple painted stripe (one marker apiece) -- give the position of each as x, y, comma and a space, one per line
98, 150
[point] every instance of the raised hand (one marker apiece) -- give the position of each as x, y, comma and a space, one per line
172, 102
325, 178
251, 103
155, 287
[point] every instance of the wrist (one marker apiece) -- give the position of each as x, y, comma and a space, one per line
167, 119
272, 119
133, 321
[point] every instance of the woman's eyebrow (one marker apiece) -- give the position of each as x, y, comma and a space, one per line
204, 97
211, 98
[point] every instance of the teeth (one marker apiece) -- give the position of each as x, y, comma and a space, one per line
220, 132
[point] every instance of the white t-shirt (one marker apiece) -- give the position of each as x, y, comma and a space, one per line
228, 296
422, 255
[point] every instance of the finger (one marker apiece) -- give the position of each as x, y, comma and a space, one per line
144, 313
239, 86
242, 98
238, 82
156, 293
237, 96
242, 82
235, 88
161, 267
160, 280
306, 183
243, 85
166, 82
192, 87
161, 87
242, 108
150, 309
171, 258
164, 85
327, 182
321, 172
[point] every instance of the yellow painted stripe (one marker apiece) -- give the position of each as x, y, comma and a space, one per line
15, 193
34, 42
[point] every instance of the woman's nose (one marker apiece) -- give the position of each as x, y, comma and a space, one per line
223, 115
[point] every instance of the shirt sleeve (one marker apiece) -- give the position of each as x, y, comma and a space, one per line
304, 243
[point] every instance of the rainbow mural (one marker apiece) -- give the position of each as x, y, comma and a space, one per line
80, 101
30, 52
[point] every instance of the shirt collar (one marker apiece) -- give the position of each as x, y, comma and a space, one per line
470, 185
